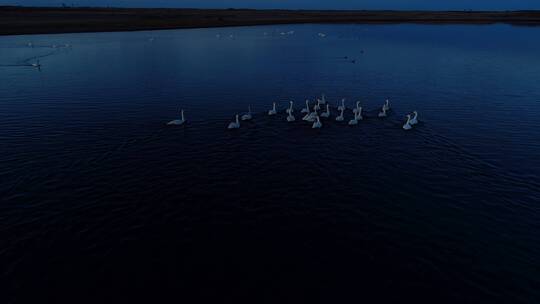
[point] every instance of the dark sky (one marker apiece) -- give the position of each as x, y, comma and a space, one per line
307, 4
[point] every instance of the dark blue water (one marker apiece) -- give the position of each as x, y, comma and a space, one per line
101, 202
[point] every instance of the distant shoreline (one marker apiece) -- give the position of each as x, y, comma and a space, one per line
47, 20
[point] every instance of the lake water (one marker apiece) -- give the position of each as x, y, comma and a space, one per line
101, 201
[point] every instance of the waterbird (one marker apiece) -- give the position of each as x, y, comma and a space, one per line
247, 116
360, 117
342, 106
317, 106
290, 110
273, 110
317, 124
383, 112
322, 35
290, 117
178, 122
354, 121
323, 99
414, 120
327, 113
306, 109
307, 112
310, 116
37, 65
234, 124
340, 117
407, 125
355, 110
386, 105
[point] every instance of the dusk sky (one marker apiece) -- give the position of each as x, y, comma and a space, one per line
297, 4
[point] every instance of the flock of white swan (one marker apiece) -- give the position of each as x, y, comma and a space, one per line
311, 114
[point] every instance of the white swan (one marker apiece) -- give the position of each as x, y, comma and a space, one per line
354, 121
234, 124
317, 124
327, 113
247, 116
407, 125
290, 117
386, 105
317, 106
307, 113
178, 122
340, 117
273, 111
355, 110
359, 113
323, 99
342, 106
306, 109
383, 112
414, 120
311, 116
290, 110
314, 116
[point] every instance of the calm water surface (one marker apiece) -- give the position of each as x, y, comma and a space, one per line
100, 201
